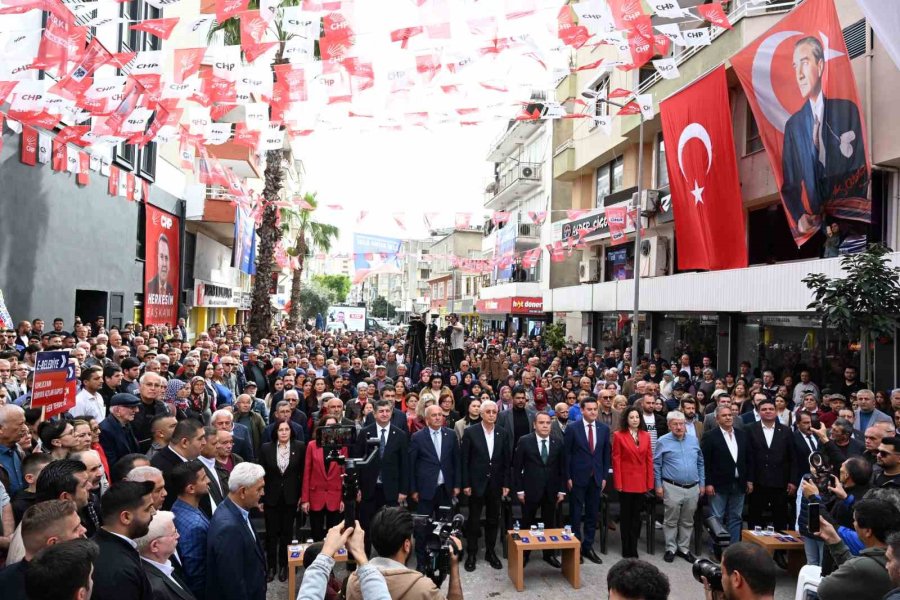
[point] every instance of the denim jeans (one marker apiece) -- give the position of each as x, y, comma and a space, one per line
814, 549
728, 506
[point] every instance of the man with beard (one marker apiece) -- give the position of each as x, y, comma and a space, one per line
127, 510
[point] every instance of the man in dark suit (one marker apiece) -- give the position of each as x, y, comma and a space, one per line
434, 463
485, 460
235, 561
160, 285
156, 549
283, 412
823, 147
518, 420
223, 420
725, 461
588, 450
805, 443
187, 440
772, 463
385, 480
398, 417
116, 436
127, 510
752, 416
539, 476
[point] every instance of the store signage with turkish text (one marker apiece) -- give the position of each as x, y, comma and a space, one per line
54, 383
596, 224
517, 305
208, 295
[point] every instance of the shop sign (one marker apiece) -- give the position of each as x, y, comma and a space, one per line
527, 305
595, 223
209, 295
246, 300
665, 214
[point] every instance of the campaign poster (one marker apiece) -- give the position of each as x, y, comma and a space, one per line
244, 255
800, 85
375, 254
54, 383
161, 267
505, 250
346, 318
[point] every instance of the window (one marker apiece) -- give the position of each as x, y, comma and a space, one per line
855, 38
601, 89
610, 178
753, 141
662, 171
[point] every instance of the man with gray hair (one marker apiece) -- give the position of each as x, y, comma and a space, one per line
156, 548
679, 473
236, 563
866, 413
153, 475
223, 420
12, 421
151, 388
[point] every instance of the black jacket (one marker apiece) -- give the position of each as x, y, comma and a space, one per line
478, 467
802, 452
393, 466
532, 476
163, 587
398, 420
118, 572
282, 489
771, 466
144, 418
718, 463
116, 440
12, 581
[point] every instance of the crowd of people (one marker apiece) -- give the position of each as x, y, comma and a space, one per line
176, 451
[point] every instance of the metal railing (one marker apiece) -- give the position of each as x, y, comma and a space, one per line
520, 172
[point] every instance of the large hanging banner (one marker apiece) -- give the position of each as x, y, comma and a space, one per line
375, 254
800, 85
244, 253
161, 267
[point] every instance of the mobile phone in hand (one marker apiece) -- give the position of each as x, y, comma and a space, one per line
812, 525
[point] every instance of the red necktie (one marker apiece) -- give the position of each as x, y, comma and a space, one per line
591, 437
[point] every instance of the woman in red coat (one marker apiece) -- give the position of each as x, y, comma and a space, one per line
632, 460
321, 496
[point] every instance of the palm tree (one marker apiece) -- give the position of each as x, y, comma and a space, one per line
311, 236
268, 232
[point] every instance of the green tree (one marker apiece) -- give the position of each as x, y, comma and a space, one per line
382, 309
312, 300
339, 285
310, 236
555, 335
864, 305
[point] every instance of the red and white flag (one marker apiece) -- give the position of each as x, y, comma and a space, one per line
161, 28
703, 176
29, 145
715, 14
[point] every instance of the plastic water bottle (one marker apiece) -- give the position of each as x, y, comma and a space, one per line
568, 530
516, 527
295, 550
540, 529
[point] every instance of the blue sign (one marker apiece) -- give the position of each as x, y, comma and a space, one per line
375, 254
506, 249
244, 254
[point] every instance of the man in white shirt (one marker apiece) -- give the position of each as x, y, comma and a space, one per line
156, 548
89, 402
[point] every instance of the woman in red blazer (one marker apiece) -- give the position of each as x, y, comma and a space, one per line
321, 496
632, 460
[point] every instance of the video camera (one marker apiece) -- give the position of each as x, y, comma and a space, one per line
821, 472
704, 567
331, 439
438, 546
717, 533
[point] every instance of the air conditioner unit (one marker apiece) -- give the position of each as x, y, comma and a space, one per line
528, 172
655, 256
649, 201
589, 270
526, 230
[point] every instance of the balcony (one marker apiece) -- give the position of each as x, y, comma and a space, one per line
239, 158
517, 182
516, 135
218, 206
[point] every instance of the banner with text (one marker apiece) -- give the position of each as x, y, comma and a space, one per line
161, 283
374, 254
54, 383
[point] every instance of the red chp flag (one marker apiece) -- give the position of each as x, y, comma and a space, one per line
800, 85
703, 176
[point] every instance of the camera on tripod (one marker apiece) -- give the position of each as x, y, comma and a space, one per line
332, 439
438, 545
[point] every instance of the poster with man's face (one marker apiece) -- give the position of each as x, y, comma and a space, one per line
161, 267
800, 85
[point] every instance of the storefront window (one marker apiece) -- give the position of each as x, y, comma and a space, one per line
619, 263
615, 331
788, 344
691, 334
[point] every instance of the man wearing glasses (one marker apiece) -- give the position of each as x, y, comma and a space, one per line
887, 473
607, 415
151, 390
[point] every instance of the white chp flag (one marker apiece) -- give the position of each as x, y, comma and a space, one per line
666, 68
884, 15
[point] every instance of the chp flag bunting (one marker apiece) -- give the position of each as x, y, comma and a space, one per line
703, 176
801, 88
54, 383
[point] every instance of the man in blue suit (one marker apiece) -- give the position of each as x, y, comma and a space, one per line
588, 450
434, 459
235, 562
823, 150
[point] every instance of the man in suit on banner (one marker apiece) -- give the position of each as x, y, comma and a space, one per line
823, 145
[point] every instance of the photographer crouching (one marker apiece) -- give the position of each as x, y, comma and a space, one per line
391, 532
746, 572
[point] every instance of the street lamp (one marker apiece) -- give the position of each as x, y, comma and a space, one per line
592, 95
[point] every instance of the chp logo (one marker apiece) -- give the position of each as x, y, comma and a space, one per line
163, 221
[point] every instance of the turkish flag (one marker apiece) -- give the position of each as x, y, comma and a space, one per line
703, 176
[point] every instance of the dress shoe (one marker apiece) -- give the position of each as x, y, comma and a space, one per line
553, 562
669, 556
470, 563
592, 556
493, 560
780, 559
686, 556
270, 575
282, 574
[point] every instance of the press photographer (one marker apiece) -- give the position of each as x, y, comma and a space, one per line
392, 536
746, 572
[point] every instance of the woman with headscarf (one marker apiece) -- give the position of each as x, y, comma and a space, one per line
198, 400
175, 397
